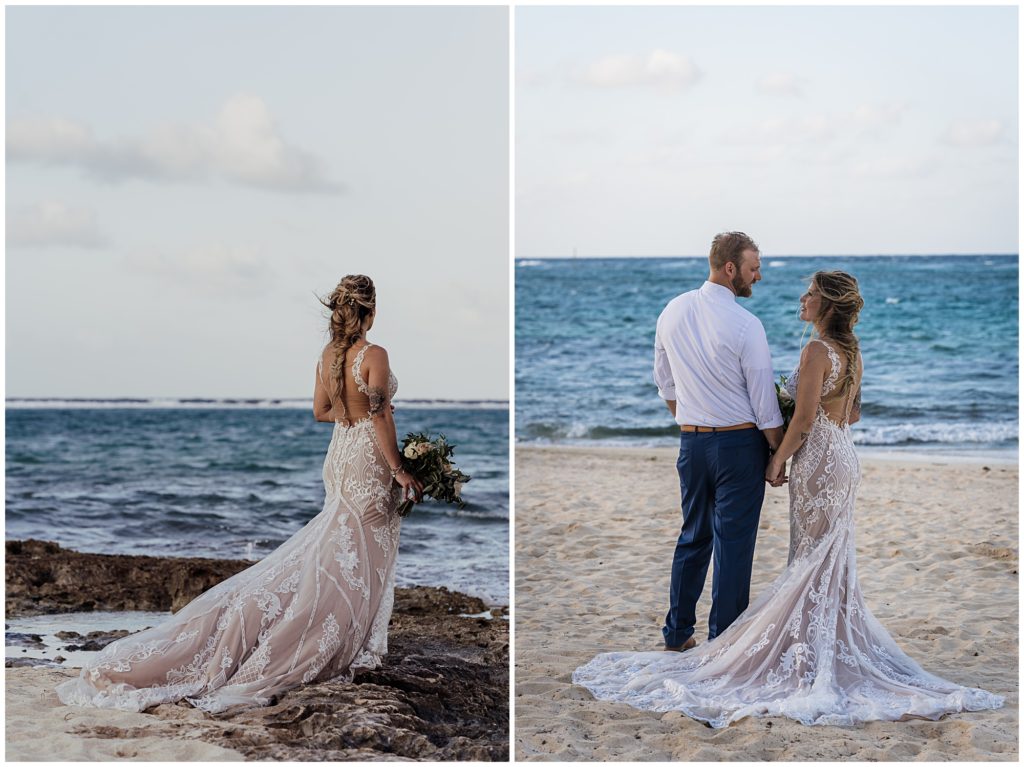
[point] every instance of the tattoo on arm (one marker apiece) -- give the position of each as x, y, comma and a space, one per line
804, 435
378, 400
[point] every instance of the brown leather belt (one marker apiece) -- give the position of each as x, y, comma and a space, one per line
688, 428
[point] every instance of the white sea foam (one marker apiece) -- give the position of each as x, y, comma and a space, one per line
942, 433
529, 262
776, 263
892, 300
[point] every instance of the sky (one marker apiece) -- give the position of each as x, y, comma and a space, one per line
643, 131
182, 182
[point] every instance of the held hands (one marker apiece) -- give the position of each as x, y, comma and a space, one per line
775, 474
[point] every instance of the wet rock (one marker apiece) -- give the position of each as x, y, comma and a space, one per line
15, 639
94, 640
43, 577
17, 662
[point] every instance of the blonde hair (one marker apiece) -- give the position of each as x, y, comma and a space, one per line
351, 302
839, 311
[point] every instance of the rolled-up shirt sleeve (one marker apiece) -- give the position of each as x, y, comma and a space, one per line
756, 361
662, 371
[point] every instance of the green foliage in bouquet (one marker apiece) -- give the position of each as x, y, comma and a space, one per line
430, 461
786, 403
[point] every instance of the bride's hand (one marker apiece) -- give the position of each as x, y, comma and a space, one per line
775, 474
405, 478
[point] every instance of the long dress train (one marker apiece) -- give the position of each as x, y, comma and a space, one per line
807, 648
315, 609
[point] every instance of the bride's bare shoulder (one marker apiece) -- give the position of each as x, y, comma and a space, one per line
376, 355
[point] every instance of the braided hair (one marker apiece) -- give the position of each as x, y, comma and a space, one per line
351, 302
841, 303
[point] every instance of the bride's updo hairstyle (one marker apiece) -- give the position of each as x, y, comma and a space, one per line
841, 303
351, 302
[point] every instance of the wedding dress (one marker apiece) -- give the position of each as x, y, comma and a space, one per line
315, 609
807, 648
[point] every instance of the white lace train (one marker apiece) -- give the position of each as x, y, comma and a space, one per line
317, 608
808, 648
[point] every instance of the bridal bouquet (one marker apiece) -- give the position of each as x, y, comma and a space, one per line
430, 461
786, 403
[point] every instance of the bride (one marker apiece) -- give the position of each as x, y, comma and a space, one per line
318, 607
808, 648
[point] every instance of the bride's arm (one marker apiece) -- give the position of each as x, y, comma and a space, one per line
814, 365
378, 374
321, 399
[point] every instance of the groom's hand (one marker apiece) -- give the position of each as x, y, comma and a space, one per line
775, 474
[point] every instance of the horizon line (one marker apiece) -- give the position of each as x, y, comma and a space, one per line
239, 400
786, 255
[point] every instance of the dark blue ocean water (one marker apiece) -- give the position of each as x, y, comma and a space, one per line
938, 335
235, 482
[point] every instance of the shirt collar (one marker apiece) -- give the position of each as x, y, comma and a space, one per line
717, 292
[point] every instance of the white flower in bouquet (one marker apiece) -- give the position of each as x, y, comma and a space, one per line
430, 461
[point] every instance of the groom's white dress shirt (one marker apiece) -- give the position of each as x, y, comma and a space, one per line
711, 356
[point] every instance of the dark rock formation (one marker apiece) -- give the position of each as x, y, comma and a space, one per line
15, 639
18, 662
43, 577
442, 693
93, 641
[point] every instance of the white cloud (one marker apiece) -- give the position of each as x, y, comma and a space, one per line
781, 84
894, 167
660, 69
873, 118
52, 224
215, 267
242, 144
973, 133
777, 131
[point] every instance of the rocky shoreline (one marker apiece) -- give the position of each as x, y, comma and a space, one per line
442, 693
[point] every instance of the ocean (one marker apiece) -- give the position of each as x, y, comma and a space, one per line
235, 478
938, 334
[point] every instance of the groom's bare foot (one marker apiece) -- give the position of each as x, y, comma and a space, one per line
689, 644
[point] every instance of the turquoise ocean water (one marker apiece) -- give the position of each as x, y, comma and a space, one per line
939, 337
234, 479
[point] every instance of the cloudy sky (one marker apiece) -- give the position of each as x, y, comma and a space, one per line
181, 181
817, 130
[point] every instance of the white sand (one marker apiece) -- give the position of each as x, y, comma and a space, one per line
595, 532
40, 728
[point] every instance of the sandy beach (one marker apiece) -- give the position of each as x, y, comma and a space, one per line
595, 530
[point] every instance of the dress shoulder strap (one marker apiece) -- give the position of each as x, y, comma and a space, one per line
833, 358
356, 372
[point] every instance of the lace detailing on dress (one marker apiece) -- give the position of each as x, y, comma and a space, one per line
808, 647
357, 374
316, 608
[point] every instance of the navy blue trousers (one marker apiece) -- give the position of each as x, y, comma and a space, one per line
721, 479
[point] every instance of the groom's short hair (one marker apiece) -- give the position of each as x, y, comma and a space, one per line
729, 246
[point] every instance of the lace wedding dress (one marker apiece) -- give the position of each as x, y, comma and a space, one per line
315, 609
808, 648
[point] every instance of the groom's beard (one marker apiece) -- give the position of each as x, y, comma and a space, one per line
741, 287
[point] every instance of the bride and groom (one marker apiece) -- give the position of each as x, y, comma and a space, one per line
808, 647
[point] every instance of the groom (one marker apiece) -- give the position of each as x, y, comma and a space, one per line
714, 371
